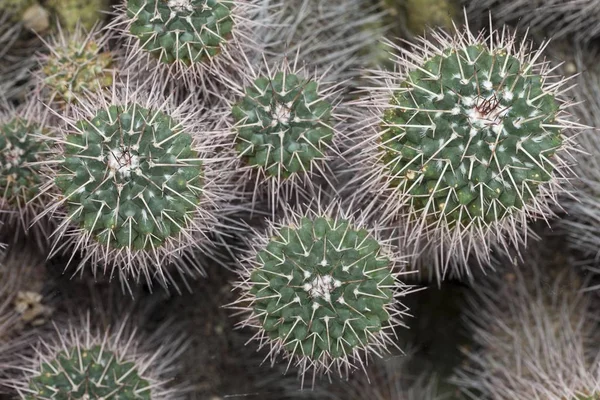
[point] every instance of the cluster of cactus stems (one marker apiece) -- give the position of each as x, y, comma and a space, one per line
145, 139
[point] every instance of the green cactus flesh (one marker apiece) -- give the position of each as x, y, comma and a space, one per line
75, 70
470, 135
19, 148
322, 288
283, 125
86, 13
94, 373
187, 31
131, 177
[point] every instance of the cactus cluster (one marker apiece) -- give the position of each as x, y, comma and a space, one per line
468, 140
322, 289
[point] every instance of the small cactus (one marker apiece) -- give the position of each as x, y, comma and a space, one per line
321, 288
83, 362
78, 64
22, 149
73, 14
286, 130
133, 186
465, 143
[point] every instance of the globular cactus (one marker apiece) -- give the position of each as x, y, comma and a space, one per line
321, 288
336, 37
463, 144
535, 335
77, 64
135, 186
73, 14
196, 41
285, 127
22, 150
558, 18
83, 362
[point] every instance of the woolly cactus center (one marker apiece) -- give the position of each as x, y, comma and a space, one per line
322, 288
131, 177
470, 135
283, 125
19, 150
185, 31
88, 373
122, 161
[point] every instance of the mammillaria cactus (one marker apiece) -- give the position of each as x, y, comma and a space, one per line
83, 362
465, 143
134, 185
535, 339
285, 130
321, 288
187, 39
78, 64
22, 149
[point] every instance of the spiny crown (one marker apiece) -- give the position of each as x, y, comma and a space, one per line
186, 31
19, 180
131, 177
283, 124
322, 288
470, 134
88, 373
73, 70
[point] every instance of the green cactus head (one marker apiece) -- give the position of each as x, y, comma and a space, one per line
131, 177
182, 31
322, 288
471, 135
20, 149
467, 142
77, 65
283, 125
88, 373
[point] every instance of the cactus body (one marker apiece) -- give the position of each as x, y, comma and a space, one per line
283, 125
322, 289
78, 65
88, 372
187, 31
131, 177
464, 144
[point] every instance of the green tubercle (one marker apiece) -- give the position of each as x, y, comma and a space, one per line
283, 125
94, 373
131, 177
19, 180
470, 135
75, 70
187, 31
323, 287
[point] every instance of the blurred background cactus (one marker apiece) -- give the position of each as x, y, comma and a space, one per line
299, 199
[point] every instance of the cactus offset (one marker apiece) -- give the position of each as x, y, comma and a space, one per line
321, 288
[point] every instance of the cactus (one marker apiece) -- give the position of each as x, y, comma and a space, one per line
22, 149
534, 339
465, 143
196, 41
321, 288
77, 64
286, 131
133, 188
83, 362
